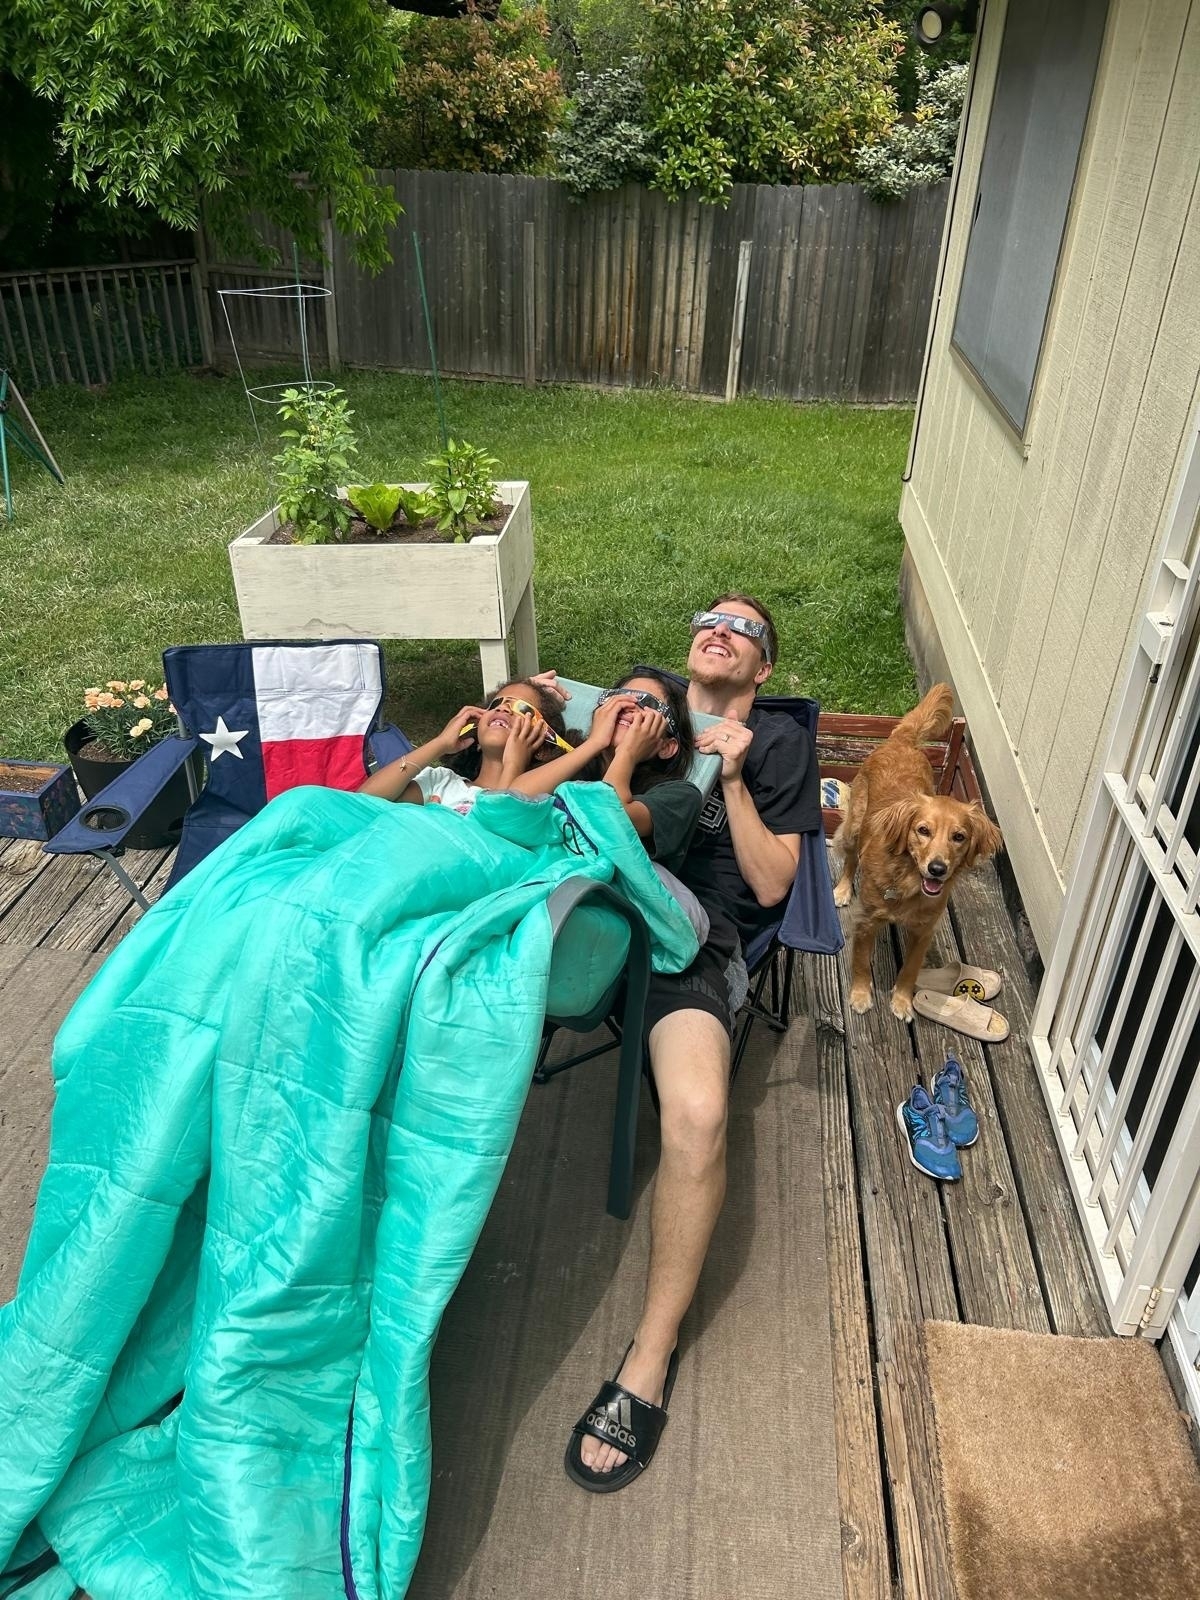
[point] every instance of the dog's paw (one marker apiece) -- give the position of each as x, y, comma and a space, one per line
842, 893
902, 1007
860, 999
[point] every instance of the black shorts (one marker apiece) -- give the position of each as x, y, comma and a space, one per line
707, 985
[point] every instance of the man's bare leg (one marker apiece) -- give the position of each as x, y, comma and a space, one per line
689, 1056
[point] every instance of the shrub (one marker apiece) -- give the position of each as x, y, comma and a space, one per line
766, 91
605, 142
472, 96
921, 152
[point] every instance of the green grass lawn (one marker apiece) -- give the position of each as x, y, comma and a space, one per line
645, 505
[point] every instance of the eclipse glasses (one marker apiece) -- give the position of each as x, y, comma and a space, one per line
644, 699
746, 626
521, 708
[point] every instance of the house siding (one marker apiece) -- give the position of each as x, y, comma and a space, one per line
1034, 552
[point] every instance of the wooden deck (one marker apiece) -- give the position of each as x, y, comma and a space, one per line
1003, 1247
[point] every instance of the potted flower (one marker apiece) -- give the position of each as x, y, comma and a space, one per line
451, 558
120, 722
37, 798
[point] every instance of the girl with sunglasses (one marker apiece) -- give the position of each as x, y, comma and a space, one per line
641, 744
481, 747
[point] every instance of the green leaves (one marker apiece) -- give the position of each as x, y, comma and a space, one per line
378, 503
314, 461
462, 489
217, 102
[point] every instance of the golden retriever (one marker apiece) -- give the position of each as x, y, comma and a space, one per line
908, 845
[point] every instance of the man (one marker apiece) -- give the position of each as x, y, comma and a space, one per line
740, 865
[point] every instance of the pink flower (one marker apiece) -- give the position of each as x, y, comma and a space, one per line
141, 701
137, 683
139, 728
115, 683
161, 694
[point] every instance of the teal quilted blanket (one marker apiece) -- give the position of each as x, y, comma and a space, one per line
283, 1108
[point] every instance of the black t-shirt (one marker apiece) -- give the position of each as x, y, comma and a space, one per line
781, 774
674, 808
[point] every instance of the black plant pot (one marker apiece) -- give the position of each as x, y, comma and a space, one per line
161, 824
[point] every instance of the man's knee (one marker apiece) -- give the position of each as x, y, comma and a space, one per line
689, 1055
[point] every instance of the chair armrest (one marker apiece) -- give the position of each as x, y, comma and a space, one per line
388, 743
122, 802
571, 891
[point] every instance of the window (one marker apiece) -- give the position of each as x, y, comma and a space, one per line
1043, 89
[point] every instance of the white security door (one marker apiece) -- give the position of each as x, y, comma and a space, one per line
1116, 1031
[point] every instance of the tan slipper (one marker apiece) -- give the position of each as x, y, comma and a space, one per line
956, 977
962, 1014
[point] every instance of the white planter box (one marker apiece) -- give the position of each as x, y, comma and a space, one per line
480, 590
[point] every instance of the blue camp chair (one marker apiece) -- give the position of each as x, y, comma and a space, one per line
808, 922
254, 719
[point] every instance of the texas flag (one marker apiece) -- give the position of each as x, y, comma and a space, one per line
271, 716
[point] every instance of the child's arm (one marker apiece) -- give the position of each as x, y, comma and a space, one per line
641, 739
547, 775
396, 781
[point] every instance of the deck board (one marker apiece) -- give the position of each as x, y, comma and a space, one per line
1004, 1247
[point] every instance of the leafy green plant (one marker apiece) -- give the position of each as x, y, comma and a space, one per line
314, 462
378, 502
416, 506
462, 489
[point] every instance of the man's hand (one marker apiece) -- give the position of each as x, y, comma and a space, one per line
548, 680
729, 739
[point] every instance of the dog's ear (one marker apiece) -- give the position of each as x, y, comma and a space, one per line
985, 836
891, 824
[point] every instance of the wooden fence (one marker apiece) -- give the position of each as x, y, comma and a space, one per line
816, 293
92, 324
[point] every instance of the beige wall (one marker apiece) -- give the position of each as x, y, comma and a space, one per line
1034, 552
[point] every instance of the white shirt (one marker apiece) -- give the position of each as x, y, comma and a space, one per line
441, 787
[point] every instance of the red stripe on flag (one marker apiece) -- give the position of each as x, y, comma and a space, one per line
331, 763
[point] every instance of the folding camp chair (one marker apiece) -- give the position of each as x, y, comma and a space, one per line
808, 922
254, 720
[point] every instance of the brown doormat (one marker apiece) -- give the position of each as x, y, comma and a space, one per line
740, 1502
1066, 1468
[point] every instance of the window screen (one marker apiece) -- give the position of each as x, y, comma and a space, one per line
1043, 89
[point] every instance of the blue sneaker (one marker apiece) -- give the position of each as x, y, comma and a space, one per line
930, 1147
950, 1092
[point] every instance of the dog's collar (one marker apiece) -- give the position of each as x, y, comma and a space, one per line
892, 894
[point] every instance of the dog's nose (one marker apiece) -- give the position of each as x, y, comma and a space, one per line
938, 869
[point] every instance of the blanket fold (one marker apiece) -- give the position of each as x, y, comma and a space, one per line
283, 1108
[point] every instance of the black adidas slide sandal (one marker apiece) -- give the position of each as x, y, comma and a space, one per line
629, 1424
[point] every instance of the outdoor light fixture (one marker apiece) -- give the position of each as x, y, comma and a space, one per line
933, 22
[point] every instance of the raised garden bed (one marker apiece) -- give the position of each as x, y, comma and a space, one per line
844, 741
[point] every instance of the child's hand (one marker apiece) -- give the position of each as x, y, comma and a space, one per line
645, 732
452, 739
525, 738
604, 723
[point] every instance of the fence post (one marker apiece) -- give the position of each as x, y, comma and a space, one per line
733, 371
208, 353
529, 265
331, 322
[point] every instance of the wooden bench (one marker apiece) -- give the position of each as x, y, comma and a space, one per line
844, 741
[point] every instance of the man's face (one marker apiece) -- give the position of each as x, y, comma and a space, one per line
720, 656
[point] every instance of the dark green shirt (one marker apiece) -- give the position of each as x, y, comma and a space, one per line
674, 809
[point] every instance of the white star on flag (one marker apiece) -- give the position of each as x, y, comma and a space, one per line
222, 740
